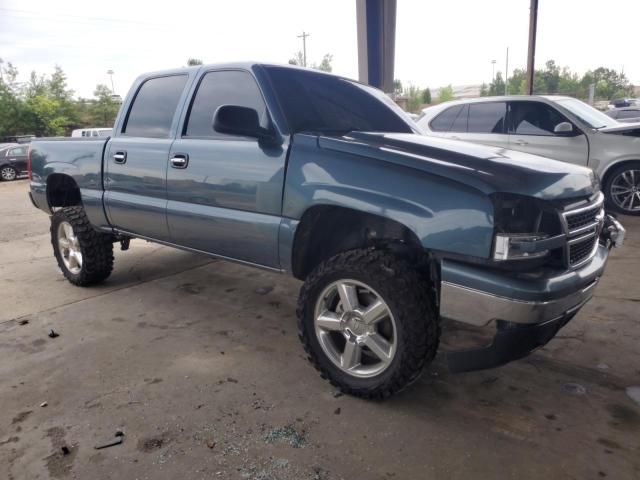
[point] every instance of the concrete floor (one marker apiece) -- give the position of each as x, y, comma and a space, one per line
204, 374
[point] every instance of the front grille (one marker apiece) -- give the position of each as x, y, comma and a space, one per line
583, 218
582, 228
581, 250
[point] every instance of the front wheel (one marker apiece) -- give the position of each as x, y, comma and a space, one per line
84, 255
366, 321
8, 173
622, 189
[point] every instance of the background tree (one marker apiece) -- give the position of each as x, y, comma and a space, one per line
297, 59
484, 90
397, 86
192, 62
426, 96
414, 98
104, 109
446, 94
325, 64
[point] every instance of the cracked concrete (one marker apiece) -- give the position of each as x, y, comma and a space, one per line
197, 361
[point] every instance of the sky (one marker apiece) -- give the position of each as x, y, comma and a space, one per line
437, 42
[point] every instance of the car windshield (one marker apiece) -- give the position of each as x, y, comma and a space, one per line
586, 113
321, 103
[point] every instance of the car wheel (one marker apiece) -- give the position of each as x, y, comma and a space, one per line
622, 189
367, 323
84, 255
8, 173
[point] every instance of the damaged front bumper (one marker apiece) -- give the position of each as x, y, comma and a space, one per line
528, 308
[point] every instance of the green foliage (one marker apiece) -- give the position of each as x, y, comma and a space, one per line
192, 62
297, 59
44, 105
446, 94
325, 64
414, 98
484, 91
426, 96
397, 86
555, 80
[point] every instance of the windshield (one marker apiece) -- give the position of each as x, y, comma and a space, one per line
316, 102
586, 113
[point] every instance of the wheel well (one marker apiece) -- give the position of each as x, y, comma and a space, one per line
62, 191
613, 168
325, 231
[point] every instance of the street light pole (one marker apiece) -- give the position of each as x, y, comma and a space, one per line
110, 73
493, 71
304, 47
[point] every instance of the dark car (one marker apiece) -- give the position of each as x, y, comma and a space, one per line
623, 102
13, 161
625, 114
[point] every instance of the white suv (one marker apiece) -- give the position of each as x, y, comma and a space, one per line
562, 128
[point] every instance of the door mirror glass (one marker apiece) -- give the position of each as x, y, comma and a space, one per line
563, 128
237, 120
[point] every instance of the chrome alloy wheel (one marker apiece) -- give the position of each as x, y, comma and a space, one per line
8, 173
69, 247
625, 190
355, 328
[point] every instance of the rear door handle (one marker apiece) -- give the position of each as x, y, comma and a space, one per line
521, 142
120, 157
179, 160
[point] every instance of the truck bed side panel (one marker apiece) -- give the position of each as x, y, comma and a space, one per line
81, 159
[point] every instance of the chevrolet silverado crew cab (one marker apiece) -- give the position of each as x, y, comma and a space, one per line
562, 128
326, 179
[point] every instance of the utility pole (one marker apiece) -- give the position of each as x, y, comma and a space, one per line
304, 47
110, 73
493, 71
506, 75
531, 56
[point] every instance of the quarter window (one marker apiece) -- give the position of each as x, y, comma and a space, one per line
229, 87
487, 117
154, 107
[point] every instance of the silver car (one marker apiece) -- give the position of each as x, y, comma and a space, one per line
561, 128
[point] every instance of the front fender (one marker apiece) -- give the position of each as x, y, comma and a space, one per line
443, 214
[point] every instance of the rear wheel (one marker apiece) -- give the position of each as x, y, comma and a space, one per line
84, 255
8, 173
367, 323
622, 189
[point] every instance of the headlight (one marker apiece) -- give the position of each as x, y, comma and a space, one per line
524, 229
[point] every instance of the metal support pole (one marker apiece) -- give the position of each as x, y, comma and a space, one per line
376, 23
531, 55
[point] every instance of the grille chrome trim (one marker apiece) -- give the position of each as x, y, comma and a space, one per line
576, 236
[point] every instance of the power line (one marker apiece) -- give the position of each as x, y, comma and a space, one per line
75, 18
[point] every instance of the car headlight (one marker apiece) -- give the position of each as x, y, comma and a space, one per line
523, 228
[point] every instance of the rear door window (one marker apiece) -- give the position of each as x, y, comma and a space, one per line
226, 87
534, 118
487, 117
445, 120
18, 152
154, 106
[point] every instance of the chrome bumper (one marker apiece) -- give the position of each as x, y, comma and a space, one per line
478, 308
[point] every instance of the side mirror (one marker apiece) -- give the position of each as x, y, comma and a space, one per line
237, 120
563, 128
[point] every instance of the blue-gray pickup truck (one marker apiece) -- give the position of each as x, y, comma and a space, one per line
326, 179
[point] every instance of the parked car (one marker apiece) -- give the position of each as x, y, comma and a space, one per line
13, 161
323, 178
624, 102
92, 132
625, 114
561, 128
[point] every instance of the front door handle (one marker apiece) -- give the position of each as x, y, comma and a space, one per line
179, 160
521, 142
120, 157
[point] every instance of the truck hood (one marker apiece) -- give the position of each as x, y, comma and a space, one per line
488, 169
